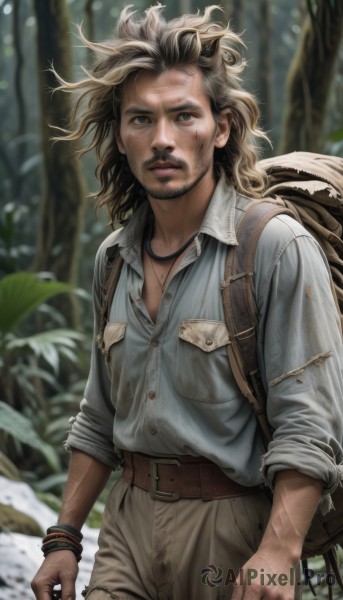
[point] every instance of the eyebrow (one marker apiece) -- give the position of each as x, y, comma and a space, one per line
134, 110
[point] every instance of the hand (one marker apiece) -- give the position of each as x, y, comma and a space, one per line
267, 576
58, 568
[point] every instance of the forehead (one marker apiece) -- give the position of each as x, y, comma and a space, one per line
173, 86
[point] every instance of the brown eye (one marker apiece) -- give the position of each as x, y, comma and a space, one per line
140, 120
185, 117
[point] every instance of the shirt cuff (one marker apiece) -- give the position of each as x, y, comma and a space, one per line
308, 456
96, 446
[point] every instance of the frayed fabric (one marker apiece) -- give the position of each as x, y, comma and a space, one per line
96, 592
316, 360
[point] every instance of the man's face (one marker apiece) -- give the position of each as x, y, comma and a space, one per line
168, 132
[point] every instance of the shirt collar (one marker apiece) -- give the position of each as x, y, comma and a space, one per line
219, 220
132, 232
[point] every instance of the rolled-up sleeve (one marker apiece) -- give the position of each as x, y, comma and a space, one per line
91, 430
300, 351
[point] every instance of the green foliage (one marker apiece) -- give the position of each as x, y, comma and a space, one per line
22, 429
9, 252
40, 360
29, 369
49, 345
335, 143
20, 294
336, 136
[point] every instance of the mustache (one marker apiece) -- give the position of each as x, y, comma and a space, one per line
164, 156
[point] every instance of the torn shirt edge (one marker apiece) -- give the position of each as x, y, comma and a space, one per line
317, 359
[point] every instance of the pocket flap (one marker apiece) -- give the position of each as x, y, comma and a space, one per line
114, 332
206, 335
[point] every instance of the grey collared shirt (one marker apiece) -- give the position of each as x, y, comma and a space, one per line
166, 387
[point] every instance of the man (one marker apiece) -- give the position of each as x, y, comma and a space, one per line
175, 137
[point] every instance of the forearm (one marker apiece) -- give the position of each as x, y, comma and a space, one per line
296, 498
87, 478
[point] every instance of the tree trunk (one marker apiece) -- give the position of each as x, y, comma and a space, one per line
18, 86
62, 206
311, 75
185, 7
90, 27
235, 11
264, 63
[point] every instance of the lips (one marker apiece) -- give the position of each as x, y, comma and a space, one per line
163, 166
163, 169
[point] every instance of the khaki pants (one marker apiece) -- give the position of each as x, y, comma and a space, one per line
184, 550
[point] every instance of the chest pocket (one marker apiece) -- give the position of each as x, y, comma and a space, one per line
117, 364
113, 334
202, 370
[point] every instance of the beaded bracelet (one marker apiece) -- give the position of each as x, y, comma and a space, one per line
62, 537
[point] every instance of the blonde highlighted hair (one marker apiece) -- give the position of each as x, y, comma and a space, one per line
152, 44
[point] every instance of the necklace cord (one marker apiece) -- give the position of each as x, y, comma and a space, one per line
161, 283
152, 254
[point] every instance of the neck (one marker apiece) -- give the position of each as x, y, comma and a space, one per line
175, 221
165, 257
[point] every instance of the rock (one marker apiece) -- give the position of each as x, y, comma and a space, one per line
20, 555
15, 520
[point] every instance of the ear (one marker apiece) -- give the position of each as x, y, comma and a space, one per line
224, 120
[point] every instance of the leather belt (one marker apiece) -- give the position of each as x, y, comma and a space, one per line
172, 478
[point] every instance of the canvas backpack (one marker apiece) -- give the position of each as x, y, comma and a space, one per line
309, 187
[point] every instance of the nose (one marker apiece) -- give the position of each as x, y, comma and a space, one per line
162, 136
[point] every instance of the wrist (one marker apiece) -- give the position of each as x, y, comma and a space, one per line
62, 537
287, 544
67, 528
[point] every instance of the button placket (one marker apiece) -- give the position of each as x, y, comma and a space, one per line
151, 406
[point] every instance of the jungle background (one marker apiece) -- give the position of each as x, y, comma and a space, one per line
49, 229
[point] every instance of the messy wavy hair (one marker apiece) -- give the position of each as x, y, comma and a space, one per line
150, 43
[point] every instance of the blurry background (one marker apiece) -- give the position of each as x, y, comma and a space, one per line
49, 231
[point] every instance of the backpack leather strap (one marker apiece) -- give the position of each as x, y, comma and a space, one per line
240, 309
110, 281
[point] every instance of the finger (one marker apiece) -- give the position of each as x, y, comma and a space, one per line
42, 591
68, 591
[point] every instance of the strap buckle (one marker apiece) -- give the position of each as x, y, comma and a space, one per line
154, 479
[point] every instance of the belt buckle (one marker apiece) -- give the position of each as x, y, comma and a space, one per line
154, 478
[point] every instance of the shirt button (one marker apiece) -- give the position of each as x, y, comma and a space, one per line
155, 343
152, 395
209, 342
168, 296
152, 430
